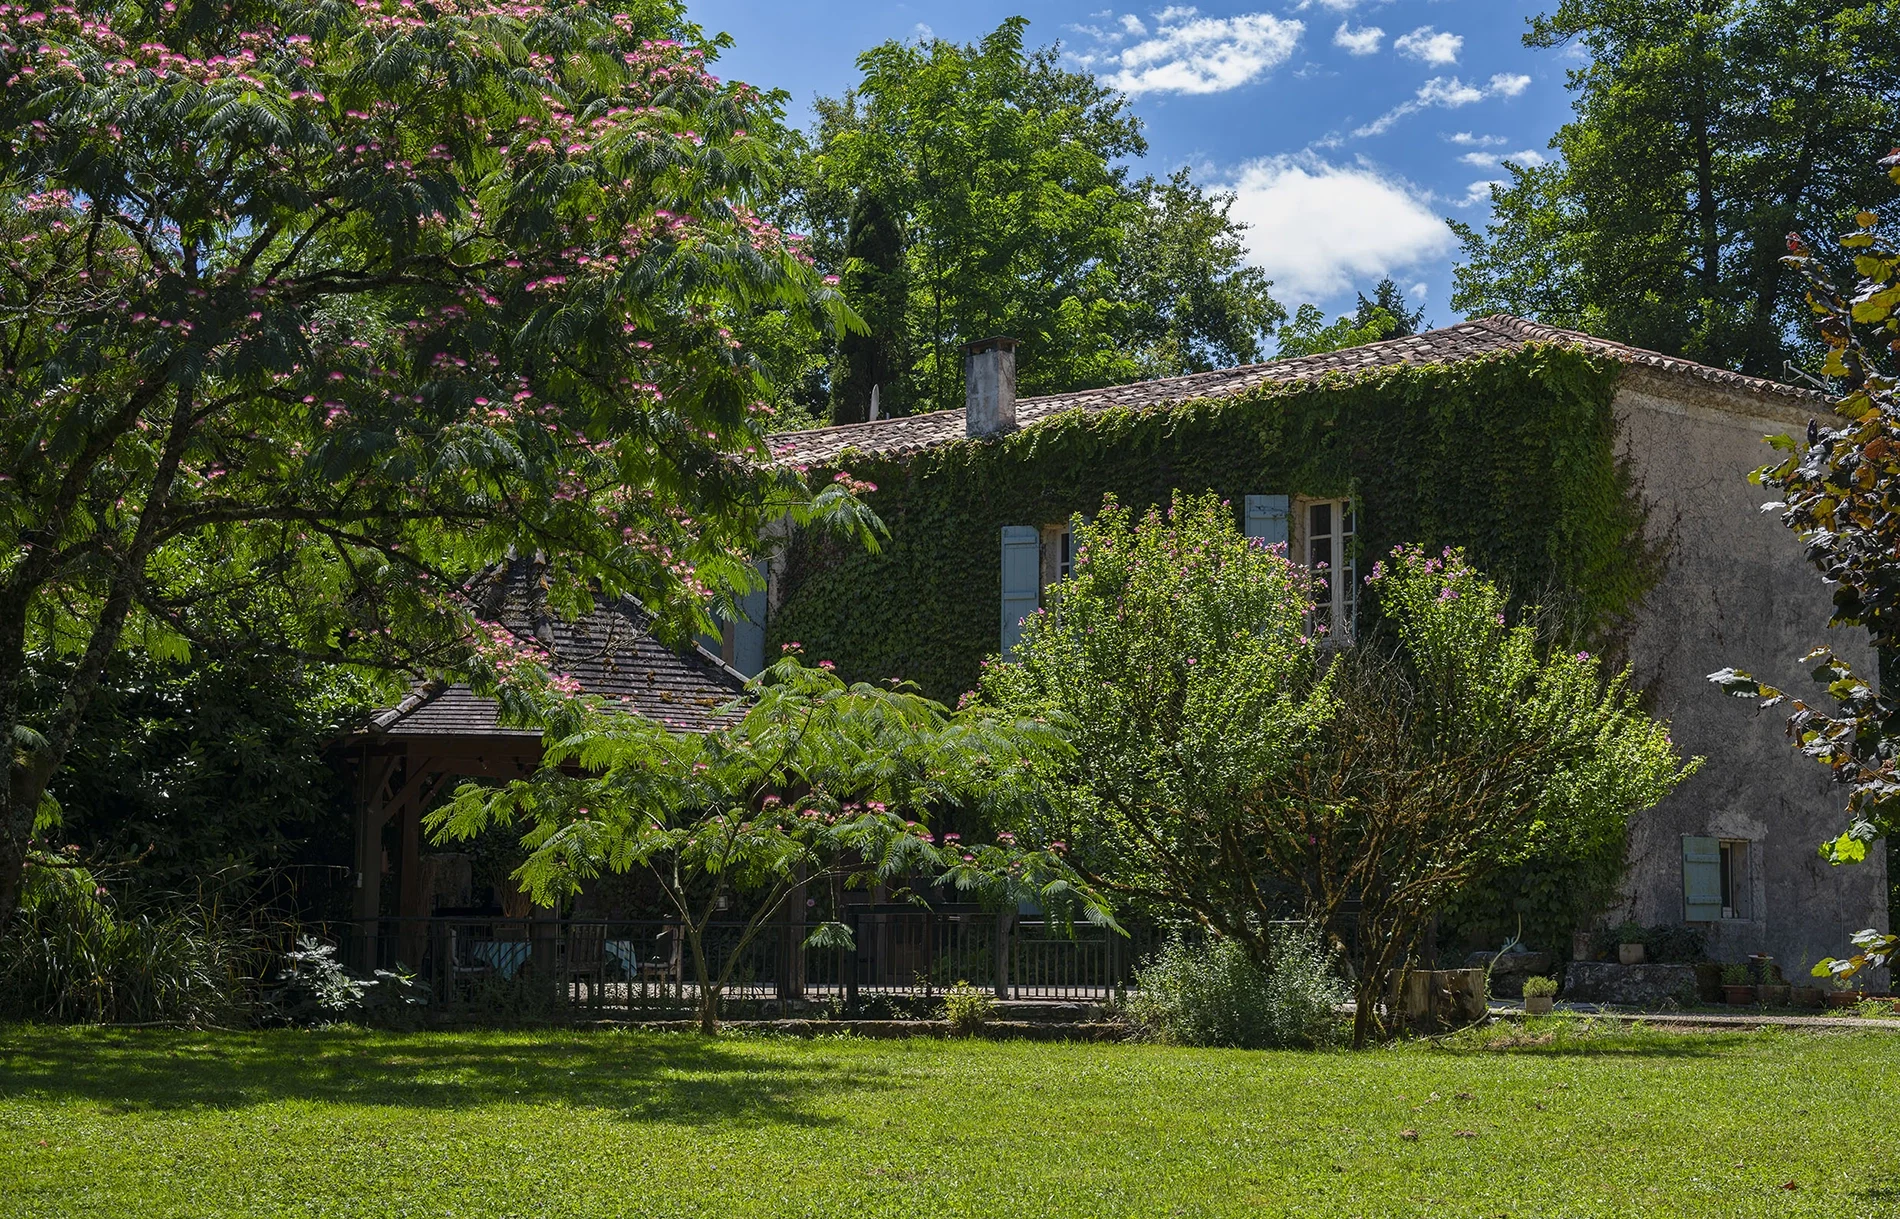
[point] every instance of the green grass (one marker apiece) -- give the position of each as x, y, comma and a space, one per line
1567, 1120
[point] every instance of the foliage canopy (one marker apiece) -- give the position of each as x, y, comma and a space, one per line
309, 311
1702, 133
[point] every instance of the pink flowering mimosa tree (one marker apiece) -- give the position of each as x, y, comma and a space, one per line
310, 310
816, 784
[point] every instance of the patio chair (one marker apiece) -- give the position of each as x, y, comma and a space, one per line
587, 959
664, 965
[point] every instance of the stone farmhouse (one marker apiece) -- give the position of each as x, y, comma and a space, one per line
1604, 480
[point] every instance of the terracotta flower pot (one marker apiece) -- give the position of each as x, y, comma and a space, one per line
1809, 996
1630, 954
1738, 996
1776, 994
1845, 998
1538, 1005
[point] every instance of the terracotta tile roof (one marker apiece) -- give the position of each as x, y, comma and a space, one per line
1450, 344
610, 652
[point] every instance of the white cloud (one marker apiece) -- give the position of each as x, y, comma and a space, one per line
1427, 44
1317, 228
1362, 41
1479, 192
1530, 158
1190, 53
1465, 139
1447, 91
1507, 84
1132, 25
1337, 6
1417, 292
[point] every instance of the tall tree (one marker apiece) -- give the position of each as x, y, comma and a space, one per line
319, 308
1388, 297
1006, 173
1704, 131
1197, 304
875, 281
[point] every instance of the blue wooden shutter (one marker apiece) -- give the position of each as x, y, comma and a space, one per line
1266, 518
748, 634
1022, 571
1701, 879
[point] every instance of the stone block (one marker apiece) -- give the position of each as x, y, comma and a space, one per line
1508, 970
1629, 985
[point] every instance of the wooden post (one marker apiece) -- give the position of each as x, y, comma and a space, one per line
411, 900
366, 899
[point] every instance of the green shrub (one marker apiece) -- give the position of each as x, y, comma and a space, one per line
1540, 987
71, 956
1736, 974
968, 1008
1215, 994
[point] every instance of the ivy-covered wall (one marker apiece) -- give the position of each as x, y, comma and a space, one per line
1510, 456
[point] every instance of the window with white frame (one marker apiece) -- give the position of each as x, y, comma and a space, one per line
1326, 529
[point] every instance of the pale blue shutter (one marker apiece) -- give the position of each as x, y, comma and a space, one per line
1266, 518
1022, 570
1701, 879
748, 634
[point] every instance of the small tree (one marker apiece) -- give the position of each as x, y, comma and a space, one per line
1836, 492
1230, 768
816, 782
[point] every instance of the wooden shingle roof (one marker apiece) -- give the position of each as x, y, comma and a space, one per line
611, 652
1483, 336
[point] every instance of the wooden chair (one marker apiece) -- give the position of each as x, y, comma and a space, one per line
587, 959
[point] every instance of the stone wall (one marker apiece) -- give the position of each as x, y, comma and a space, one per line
1738, 592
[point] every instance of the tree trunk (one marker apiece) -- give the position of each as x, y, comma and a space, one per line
708, 992
16, 827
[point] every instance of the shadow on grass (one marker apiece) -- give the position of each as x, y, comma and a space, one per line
640, 1077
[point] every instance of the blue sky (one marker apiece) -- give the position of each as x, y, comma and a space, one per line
1348, 128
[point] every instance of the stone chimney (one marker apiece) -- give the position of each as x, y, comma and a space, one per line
989, 387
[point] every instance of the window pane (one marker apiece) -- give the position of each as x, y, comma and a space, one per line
1319, 521
1348, 523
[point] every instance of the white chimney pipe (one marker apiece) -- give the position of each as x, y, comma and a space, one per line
989, 387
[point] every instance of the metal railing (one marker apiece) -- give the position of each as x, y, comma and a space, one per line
528, 966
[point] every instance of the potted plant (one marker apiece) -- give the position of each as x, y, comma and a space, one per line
1774, 990
1737, 990
1841, 996
1809, 996
1539, 993
1629, 946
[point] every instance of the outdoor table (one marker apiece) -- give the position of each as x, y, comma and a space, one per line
622, 953
506, 957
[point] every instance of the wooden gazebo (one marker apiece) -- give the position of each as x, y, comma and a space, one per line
407, 754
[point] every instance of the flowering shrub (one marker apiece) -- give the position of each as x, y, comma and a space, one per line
1230, 771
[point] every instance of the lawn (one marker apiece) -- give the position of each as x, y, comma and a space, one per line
346, 1122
